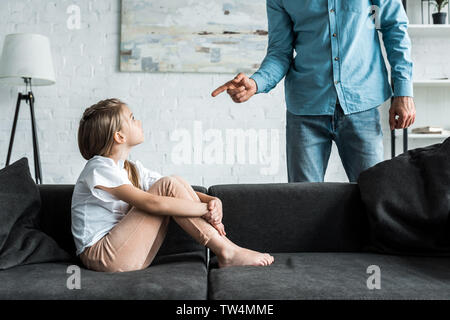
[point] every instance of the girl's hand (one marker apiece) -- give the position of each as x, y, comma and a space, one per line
215, 211
221, 228
215, 214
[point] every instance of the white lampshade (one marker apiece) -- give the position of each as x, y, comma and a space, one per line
27, 55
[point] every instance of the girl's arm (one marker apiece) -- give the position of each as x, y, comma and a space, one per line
155, 204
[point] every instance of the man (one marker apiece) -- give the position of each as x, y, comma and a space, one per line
336, 82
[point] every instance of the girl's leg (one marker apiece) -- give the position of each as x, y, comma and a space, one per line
130, 245
188, 187
227, 252
162, 187
134, 242
197, 227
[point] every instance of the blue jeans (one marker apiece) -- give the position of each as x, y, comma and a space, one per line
358, 137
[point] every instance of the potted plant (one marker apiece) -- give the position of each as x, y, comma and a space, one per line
439, 17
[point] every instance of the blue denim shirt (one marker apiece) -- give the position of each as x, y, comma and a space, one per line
338, 54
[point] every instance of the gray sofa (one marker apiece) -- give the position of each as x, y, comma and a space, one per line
317, 233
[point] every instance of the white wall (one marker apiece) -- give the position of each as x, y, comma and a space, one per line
86, 64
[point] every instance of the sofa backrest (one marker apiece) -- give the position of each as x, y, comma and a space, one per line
294, 217
55, 220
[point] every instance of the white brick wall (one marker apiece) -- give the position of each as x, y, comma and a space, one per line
86, 64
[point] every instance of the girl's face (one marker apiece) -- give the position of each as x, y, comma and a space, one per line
131, 127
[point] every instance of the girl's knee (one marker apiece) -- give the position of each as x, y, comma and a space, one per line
163, 183
167, 180
175, 179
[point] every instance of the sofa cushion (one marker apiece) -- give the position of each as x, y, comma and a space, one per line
294, 217
408, 202
55, 221
333, 276
177, 276
21, 240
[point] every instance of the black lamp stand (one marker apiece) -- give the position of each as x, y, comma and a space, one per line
29, 99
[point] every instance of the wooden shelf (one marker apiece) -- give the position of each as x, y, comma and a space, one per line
423, 135
429, 30
431, 83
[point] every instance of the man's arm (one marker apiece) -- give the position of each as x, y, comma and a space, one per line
393, 24
280, 48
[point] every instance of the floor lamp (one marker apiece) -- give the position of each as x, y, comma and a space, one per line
26, 59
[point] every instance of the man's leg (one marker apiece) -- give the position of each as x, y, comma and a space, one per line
359, 139
308, 147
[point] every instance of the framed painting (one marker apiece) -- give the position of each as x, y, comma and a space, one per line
210, 36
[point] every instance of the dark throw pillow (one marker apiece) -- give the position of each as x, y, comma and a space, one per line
21, 241
407, 200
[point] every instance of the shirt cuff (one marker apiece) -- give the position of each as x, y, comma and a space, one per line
403, 88
260, 82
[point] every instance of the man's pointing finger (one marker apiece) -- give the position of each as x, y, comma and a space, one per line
220, 89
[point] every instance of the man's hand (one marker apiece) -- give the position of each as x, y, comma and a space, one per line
215, 214
240, 89
405, 109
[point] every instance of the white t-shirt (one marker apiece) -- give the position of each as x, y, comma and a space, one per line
94, 211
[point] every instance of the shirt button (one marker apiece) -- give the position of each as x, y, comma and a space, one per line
336, 82
334, 34
332, 10
337, 58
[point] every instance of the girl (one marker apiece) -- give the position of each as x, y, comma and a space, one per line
121, 210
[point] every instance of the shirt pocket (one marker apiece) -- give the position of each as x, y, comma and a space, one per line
359, 6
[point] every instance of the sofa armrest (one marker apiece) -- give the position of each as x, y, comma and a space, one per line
294, 217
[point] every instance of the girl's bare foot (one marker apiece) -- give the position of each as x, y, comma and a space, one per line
244, 257
231, 254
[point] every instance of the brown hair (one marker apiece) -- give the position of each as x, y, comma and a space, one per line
96, 131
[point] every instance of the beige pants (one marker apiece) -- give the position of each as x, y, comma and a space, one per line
133, 242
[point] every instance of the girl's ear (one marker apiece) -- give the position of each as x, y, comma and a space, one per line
119, 137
